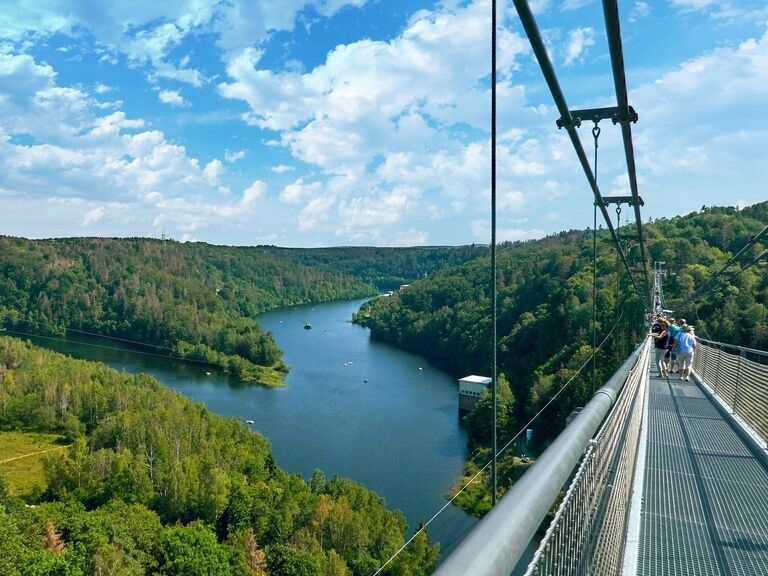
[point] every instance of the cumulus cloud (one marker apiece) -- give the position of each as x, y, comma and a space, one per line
172, 98
101, 167
579, 40
300, 191
253, 193
378, 117
147, 32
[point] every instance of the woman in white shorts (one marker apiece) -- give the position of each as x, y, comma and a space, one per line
686, 345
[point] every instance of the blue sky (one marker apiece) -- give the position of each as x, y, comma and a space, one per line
362, 122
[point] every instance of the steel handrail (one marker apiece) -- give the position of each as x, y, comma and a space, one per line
498, 541
739, 383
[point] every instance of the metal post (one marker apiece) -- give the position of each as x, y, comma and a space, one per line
494, 296
717, 386
738, 378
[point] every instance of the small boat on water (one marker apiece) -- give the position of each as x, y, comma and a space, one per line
307, 326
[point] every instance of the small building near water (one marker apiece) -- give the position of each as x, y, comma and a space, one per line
470, 390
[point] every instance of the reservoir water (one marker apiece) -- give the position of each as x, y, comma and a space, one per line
352, 406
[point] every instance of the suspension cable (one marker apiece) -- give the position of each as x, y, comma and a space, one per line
618, 263
494, 296
701, 291
596, 136
103, 347
540, 51
613, 32
501, 451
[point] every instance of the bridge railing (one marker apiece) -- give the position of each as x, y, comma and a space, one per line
588, 531
590, 525
739, 378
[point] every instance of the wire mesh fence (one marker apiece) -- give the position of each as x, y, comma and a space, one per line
587, 533
739, 377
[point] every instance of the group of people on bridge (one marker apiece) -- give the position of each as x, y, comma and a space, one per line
675, 344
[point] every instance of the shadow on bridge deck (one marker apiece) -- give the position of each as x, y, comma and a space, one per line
705, 493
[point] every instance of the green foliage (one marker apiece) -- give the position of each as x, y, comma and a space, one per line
480, 420
161, 486
385, 268
192, 549
698, 245
191, 300
545, 310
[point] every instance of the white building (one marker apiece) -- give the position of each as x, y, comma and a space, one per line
470, 390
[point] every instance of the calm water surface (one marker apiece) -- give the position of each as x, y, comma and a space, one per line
352, 406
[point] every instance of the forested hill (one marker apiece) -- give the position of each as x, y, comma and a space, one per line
153, 483
385, 268
545, 307
190, 300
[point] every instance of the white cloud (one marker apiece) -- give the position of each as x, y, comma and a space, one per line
93, 216
213, 171
639, 11
148, 31
579, 39
232, 157
172, 98
481, 230
409, 237
253, 193
378, 117
299, 191
694, 4
281, 169
108, 170
569, 5
316, 212
677, 132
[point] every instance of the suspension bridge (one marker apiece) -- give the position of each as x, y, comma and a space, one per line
656, 476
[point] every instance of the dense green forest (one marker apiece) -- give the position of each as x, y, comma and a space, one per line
191, 300
545, 308
154, 484
385, 268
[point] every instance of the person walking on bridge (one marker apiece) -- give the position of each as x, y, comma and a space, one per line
661, 337
686, 347
674, 333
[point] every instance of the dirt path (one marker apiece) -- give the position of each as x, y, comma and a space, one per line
34, 453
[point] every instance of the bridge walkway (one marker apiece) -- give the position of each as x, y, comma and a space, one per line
705, 490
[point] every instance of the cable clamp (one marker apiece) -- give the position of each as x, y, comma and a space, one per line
574, 122
625, 119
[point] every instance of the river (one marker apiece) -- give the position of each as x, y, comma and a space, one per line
352, 406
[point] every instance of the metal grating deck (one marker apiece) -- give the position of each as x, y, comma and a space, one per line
705, 498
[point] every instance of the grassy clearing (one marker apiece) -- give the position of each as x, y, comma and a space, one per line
21, 459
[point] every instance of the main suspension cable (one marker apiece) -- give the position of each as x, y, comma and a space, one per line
542, 56
494, 281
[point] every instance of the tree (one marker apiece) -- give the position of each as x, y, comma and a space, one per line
479, 421
193, 549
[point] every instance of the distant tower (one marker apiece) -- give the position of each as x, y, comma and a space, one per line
470, 390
